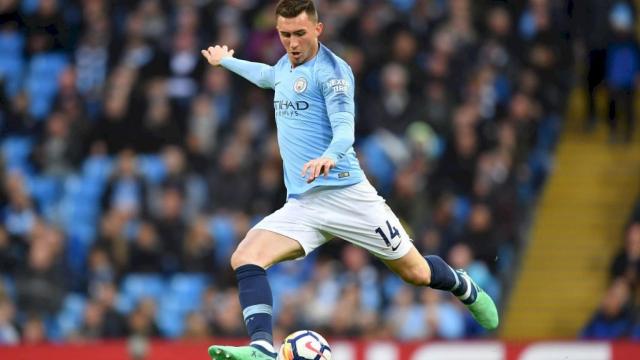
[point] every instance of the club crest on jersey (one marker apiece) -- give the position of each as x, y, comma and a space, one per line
300, 85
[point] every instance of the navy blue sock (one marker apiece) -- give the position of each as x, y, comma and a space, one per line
443, 277
257, 302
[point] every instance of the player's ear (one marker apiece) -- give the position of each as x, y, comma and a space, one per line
319, 28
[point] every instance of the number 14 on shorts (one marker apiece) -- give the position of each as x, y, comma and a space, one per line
393, 232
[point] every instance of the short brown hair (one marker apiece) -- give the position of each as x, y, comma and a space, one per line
293, 8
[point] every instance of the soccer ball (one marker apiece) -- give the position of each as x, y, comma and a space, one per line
305, 345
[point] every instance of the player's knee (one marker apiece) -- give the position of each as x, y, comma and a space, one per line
242, 256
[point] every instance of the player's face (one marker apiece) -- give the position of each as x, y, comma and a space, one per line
299, 36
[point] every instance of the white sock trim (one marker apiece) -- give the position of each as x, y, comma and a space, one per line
467, 293
264, 344
455, 275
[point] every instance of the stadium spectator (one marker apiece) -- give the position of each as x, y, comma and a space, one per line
8, 331
54, 152
114, 323
158, 127
202, 131
170, 227
145, 252
111, 239
118, 124
626, 264
196, 327
227, 318
614, 318
592, 30
442, 315
33, 330
394, 107
230, 181
345, 320
9, 253
141, 319
320, 295
622, 72
126, 190
41, 285
19, 215
358, 271
199, 250
46, 28
404, 317
93, 322
100, 269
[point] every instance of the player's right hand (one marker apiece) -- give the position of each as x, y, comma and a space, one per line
215, 54
314, 168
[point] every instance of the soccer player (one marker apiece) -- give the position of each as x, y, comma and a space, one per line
328, 194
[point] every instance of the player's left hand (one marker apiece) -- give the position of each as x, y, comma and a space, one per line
312, 169
215, 54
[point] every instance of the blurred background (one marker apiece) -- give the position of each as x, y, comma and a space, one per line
500, 132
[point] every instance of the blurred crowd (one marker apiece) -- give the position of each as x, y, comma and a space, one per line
131, 169
618, 315
613, 60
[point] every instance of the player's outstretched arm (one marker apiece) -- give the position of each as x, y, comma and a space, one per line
261, 75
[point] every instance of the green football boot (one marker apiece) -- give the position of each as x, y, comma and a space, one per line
483, 309
237, 353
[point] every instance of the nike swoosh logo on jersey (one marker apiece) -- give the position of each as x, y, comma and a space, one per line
277, 82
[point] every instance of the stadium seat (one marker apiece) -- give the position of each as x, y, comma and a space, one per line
152, 168
29, 6
71, 316
188, 289
548, 132
11, 44
124, 304
183, 295
97, 168
170, 321
45, 190
92, 188
42, 82
287, 278
11, 69
391, 284
53, 329
222, 230
502, 87
80, 202
16, 150
80, 236
83, 188
197, 193
8, 284
461, 209
138, 286
384, 170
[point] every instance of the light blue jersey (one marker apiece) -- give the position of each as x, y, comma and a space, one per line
314, 110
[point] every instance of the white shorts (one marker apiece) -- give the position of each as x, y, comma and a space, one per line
355, 213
